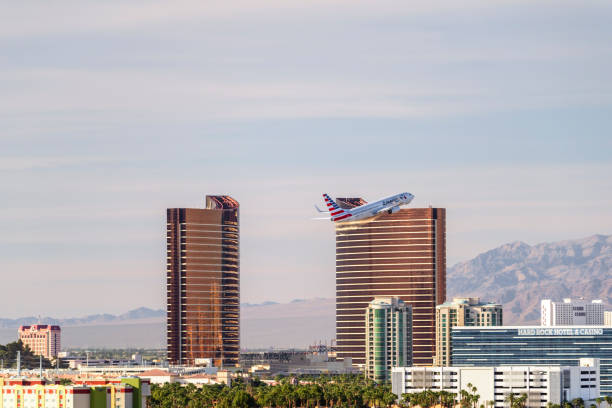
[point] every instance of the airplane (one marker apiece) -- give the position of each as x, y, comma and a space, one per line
389, 205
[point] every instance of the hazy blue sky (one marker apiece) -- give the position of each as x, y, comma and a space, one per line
112, 111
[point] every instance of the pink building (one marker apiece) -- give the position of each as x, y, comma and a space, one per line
43, 339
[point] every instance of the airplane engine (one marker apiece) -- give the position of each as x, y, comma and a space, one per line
393, 210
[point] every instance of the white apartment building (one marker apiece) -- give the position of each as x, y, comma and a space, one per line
572, 312
542, 384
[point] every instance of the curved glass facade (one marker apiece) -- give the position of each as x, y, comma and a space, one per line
531, 345
203, 283
401, 254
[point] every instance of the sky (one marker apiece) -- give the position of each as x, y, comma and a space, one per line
111, 112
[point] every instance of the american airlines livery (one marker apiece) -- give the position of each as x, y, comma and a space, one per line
390, 205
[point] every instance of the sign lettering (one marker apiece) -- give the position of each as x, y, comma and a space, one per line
552, 331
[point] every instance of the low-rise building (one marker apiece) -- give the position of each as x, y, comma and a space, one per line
541, 384
157, 376
43, 339
288, 362
100, 393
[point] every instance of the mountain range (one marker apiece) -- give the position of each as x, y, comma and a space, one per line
297, 324
516, 275
519, 275
141, 314
295, 308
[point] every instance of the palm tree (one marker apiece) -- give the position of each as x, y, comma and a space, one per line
447, 399
608, 399
510, 398
405, 399
521, 401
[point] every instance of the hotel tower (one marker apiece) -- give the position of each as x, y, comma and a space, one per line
401, 254
203, 283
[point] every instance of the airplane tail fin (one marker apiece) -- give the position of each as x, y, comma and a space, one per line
334, 209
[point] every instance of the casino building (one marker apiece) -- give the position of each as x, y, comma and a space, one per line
534, 345
392, 255
203, 283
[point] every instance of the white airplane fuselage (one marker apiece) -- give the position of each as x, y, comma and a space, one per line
389, 205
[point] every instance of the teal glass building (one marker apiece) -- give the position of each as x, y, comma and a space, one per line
532, 345
388, 337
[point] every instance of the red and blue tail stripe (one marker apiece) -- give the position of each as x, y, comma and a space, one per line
335, 211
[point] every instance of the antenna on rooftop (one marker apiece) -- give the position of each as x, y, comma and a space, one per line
18, 363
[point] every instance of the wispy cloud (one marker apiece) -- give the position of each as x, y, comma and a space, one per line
190, 96
44, 19
113, 111
12, 163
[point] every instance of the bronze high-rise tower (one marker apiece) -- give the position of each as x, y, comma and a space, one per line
203, 282
401, 254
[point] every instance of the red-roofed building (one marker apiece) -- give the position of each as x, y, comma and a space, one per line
43, 339
157, 376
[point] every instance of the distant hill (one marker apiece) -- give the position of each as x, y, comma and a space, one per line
519, 275
141, 314
298, 324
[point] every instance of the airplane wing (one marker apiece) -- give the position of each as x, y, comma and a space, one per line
392, 208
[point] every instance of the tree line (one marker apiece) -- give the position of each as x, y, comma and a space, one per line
332, 392
469, 398
29, 360
323, 391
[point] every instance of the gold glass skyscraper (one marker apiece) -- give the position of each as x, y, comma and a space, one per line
203, 283
401, 254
